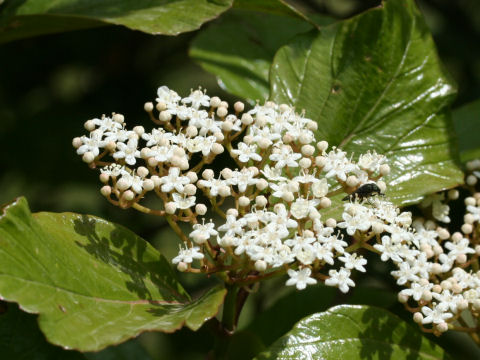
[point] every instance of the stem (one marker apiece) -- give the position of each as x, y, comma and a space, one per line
225, 330
178, 231
229, 308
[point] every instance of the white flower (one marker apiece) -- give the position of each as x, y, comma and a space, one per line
183, 201
302, 207
361, 221
246, 152
338, 165
197, 98
92, 143
233, 226
436, 315
112, 170
320, 188
243, 179
210, 125
128, 151
107, 124
203, 232
157, 137
273, 174
460, 247
167, 96
405, 273
388, 249
416, 290
440, 210
371, 161
352, 261
300, 278
161, 153
214, 185
173, 180
340, 279
188, 255
285, 156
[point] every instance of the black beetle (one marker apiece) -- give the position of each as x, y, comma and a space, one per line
364, 191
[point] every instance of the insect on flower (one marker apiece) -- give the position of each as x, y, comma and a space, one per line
364, 191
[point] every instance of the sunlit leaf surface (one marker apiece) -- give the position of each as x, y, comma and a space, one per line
92, 282
20, 19
353, 332
374, 82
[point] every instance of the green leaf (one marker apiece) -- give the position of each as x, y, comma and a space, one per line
20, 338
20, 19
130, 350
239, 49
277, 7
94, 283
353, 332
466, 120
374, 82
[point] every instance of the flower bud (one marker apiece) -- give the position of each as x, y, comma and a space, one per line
384, 169
247, 119
215, 102
243, 201
119, 118
262, 184
139, 130
190, 189
208, 174
170, 208
467, 228
260, 265
148, 107
106, 190
128, 195
200, 209
227, 126
104, 178
308, 150
238, 106
418, 317
261, 201
222, 112
305, 163
148, 185
88, 157
89, 125
471, 180
470, 201
322, 146
442, 327
224, 191
217, 148
165, 116
325, 202
77, 142
181, 266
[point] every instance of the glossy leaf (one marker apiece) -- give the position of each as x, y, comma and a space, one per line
21, 339
20, 19
239, 49
353, 332
277, 7
374, 82
93, 283
466, 120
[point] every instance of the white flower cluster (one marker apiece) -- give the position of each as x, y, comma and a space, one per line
283, 179
438, 270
